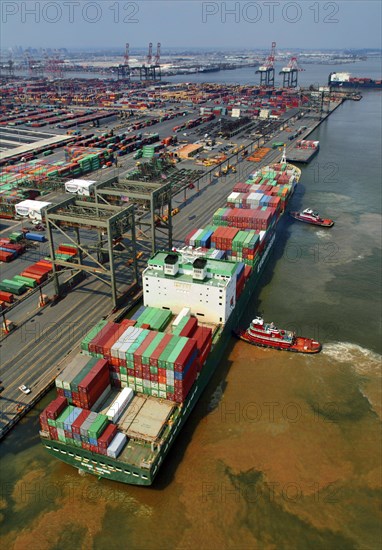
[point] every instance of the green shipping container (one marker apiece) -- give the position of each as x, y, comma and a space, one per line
98, 426
150, 349
63, 416
176, 352
30, 283
162, 361
139, 341
81, 375
13, 286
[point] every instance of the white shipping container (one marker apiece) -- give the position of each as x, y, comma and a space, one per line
125, 337
185, 311
116, 446
79, 187
31, 209
233, 196
120, 404
64, 379
195, 236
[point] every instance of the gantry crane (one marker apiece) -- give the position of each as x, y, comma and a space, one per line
290, 73
267, 71
123, 71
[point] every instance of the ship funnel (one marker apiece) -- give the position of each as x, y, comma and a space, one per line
171, 264
199, 271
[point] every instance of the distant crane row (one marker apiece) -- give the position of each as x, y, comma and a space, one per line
147, 71
267, 71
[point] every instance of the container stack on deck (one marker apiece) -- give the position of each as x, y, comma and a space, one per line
132, 355
148, 360
242, 228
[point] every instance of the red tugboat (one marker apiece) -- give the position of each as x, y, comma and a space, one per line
309, 216
268, 336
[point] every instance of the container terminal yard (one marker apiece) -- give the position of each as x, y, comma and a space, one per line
116, 173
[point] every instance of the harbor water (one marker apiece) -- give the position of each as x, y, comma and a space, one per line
282, 451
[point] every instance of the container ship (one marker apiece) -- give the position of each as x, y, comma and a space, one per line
345, 80
123, 399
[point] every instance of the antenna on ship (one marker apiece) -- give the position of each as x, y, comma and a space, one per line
283, 158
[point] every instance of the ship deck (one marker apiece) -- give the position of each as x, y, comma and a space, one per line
146, 424
298, 154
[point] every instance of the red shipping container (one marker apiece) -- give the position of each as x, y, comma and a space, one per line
138, 371
87, 401
86, 446
19, 248
67, 249
154, 377
94, 393
127, 323
114, 361
159, 350
105, 439
189, 328
106, 351
44, 266
202, 335
96, 345
96, 373
45, 262
55, 408
182, 359
53, 432
38, 270
79, 421
6, 256
38, 278
102, 451
93, 448
6, 296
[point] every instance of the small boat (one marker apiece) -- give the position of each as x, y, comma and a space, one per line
267, 335
309, 216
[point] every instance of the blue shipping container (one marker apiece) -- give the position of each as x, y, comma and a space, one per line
35, 237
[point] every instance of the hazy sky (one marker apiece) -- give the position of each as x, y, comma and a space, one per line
244, 24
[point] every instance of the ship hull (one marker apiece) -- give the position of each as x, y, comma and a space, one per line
301, 345
103, 466
324, 223
357, 85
